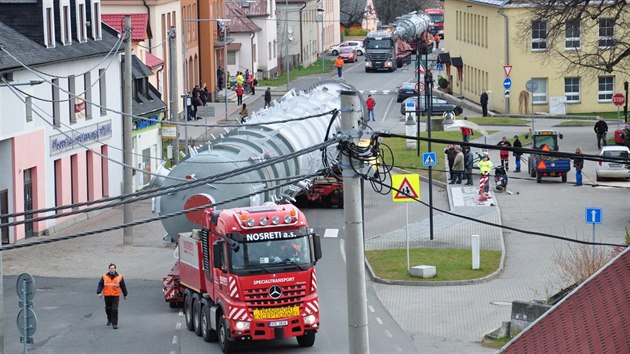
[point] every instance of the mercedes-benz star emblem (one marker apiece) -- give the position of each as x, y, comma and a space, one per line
275, 292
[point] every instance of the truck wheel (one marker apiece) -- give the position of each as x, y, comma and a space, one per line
564, 178
188, 310
226, 345
208, 334
196, 315
306, 340
538, 177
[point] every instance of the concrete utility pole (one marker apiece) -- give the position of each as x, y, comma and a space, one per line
355, 269
286, 33
127, 128
172, 77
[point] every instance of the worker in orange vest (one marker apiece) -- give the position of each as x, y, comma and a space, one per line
339, 65
110, 287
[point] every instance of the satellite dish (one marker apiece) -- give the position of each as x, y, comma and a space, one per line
290, 34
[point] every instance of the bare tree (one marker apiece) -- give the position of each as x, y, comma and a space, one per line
352, 12
591, 37
388, 10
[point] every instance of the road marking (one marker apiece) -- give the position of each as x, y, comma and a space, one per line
172, 352
174, 339
178, 326
371, 308
373, 91
331, 233
398, 348
387, 109
388, 334
378, 319
386, 92
342, 249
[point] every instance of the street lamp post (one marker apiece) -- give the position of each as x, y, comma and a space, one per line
320, 10
286, 33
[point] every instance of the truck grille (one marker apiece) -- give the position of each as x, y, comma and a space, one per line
378, 56
259, 297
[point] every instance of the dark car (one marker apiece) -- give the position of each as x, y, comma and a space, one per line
620, 134
407, 89
439, 106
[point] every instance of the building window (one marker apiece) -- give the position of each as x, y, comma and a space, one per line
81, 25
231, 58
102, 91
89, 172
572, 89
104, 171
87, 84
572, 35
29, 108
96, 20
58, 185
74, 179
540, 94
56, 104
605, 88
67, 29
269, 52
275, 48
50, 28
539, 35
72, 99
606, 33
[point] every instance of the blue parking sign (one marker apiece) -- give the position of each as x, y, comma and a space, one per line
593, 215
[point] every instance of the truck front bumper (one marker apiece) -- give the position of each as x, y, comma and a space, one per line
379, 65
274, 329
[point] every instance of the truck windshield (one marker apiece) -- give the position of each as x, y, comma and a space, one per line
549, 140
252, 255
379, 44
437, 18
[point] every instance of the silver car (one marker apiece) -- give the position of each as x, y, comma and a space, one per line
613, 169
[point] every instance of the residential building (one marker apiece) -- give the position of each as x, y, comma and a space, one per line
242, 54
488, 36
60, 103
211, 46
288, 15
331, 24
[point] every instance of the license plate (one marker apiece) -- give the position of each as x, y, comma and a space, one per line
616, 165
278, 323
276, 312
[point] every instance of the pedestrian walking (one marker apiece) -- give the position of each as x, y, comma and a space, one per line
268, 97
203, 92
504, 154
468, 165
240, 80
578, 163
254, 84
485, 166
110, 286
244, 113
339, 65
239, 94
437, 41
450, 158
466, 132
220, 77
484, 103
196, 102
458, 167
601, 129
517, 154
370, 103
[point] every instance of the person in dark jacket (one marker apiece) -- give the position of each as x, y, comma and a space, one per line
458, 167
196, 102
268, 97
517, 154
110, 286
601, 128
484, 103
578, 163
504, 154
450, 157
468, 165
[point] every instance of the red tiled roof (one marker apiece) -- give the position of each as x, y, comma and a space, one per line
593, 318
240, 22
253, 9
152, 61
139, 25
234, 47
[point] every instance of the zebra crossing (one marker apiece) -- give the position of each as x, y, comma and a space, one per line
326, 233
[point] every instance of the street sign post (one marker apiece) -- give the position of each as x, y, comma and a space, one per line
593, 216
507, 83
420, 87
429, 159
439, 67
507, 69
26, 318
618, 100
408, 190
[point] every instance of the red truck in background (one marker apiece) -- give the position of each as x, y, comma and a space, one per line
248, 274
437, 18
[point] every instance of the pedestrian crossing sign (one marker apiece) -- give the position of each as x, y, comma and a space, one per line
429, 159
407, 188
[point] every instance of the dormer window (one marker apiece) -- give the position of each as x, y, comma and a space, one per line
80, 21
49, 23
66, 28
96, 20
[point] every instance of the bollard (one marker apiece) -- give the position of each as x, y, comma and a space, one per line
474, 244
410, 130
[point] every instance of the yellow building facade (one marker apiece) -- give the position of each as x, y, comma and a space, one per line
489, 35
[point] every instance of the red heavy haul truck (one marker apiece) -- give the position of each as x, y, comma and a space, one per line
248, 274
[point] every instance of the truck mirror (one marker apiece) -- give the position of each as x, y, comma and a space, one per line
317, 245
217, 254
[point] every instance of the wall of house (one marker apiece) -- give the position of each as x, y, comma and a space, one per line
477, 33
244, 55
309, 34
267, 40
332, 32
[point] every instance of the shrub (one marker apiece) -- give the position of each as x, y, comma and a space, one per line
442, 82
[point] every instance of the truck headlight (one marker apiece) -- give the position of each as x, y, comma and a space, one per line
368, 64
309, 319
242, 325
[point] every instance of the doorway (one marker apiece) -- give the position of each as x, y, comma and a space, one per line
4, 209
28, 202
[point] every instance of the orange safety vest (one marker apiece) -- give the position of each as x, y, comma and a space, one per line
111, 287
339, 62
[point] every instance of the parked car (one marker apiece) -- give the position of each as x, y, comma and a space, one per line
613, 169
439, 106
620, 134
358, 45
349, 55
406, 89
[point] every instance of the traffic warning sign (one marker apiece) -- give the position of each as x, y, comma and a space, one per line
408, 188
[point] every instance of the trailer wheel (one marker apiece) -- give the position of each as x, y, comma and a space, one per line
208, 334
564, 178
226, 345
188, 310
306, 340
538, 177
196, 315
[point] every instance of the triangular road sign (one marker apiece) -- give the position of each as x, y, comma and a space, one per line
405, 191
507, 69
429, 161
421, 67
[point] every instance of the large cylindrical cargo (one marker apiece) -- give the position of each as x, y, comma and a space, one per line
260, 139
412, 25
